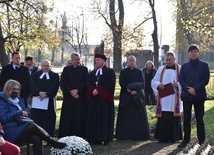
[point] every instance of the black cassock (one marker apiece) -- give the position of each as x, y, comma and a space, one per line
100, 117
45, 118
73, 113
132, 122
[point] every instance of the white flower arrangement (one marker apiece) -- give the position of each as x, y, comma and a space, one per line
74, 146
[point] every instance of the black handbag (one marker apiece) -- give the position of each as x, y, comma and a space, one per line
22, 119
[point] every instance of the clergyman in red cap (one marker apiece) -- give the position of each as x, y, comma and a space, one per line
100, 97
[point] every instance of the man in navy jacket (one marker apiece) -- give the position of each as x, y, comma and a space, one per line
194, 76
17, 72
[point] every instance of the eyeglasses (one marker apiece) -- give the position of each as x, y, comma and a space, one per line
15, 89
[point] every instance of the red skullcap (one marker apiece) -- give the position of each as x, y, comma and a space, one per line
97, 55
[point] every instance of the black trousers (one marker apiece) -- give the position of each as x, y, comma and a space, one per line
149, 96
34, 134
199, 115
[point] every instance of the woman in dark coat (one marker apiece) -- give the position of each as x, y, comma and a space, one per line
148, 73
132, 122
11, 105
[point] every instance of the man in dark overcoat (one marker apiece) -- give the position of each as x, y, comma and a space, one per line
17, 72
194, 76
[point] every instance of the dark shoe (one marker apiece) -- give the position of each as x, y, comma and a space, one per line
163, 141
201, 142
105, 143
96, 143
182, 144
58, 145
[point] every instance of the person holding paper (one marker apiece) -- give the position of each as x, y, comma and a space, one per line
73, 85
132, 121
44, 85
11, 105
166, 86
194, 77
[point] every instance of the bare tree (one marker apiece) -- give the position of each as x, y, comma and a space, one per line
152, 15
116, 17
75, 35
155, 34
132, 39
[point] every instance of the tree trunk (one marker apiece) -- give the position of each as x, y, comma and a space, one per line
26, 52
117, 30
4, 60
39, 56
156, 49
155, 34
117, 52
52, 57
62, 55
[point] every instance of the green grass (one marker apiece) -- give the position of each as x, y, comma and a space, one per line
209, 122
208, 118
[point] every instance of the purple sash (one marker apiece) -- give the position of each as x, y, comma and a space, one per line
158, 110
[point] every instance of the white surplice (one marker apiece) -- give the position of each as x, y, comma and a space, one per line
169, 75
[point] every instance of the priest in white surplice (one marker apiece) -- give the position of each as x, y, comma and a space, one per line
168, 108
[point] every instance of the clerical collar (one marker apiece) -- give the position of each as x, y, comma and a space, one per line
170, 67
131, 68
74, 66
99, 72
45, 74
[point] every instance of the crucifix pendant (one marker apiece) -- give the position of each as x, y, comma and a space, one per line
96, 83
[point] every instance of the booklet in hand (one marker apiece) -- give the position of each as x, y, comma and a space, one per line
168, 90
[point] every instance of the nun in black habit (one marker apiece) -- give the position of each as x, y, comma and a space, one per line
100, 95
132, 122
45, 83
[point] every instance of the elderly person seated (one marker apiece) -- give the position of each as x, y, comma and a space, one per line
11, 106
7, 148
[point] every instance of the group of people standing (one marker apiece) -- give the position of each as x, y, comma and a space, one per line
88, 100
174, 89
18, 82
188, 82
